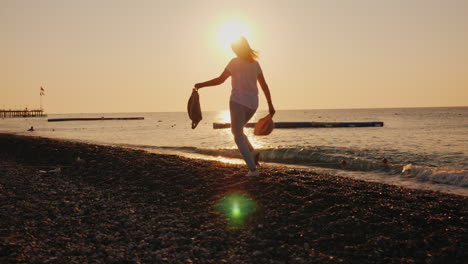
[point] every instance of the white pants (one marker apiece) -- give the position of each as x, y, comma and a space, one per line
240, 115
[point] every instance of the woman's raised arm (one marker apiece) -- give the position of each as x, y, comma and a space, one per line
216, 81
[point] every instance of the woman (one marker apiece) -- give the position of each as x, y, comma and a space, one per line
245, 71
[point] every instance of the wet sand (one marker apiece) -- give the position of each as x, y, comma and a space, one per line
115, 205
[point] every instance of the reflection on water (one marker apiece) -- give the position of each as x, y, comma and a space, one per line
228, 160
225, 117
208, 157
257, 142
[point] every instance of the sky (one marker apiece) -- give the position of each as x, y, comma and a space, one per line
98, 56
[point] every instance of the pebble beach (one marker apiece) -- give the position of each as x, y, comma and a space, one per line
69, 202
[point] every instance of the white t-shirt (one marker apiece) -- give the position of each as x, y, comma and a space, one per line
244, 82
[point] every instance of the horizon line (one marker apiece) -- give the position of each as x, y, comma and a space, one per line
298, 109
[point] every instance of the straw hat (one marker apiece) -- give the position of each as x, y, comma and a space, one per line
264, 126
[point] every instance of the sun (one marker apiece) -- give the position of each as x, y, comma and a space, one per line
231, 31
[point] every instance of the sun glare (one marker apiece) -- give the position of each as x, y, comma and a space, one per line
230, 31
225, 116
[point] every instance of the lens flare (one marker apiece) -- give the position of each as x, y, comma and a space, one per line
237, 207
236, 212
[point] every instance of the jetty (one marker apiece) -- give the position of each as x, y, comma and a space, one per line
94, 119
22, 113
308, 124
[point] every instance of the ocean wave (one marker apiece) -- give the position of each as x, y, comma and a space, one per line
437, 175
332, 158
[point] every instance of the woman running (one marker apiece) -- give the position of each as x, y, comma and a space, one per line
245, 71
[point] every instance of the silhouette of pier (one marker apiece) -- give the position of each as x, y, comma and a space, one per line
22, 113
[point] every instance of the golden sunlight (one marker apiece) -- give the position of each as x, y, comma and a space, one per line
225, 116
230, 31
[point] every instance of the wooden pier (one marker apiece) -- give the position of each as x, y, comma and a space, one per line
22, 113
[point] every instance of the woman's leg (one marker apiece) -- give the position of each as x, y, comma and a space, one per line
248, 115
240, 115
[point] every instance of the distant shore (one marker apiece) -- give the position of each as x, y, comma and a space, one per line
69, 202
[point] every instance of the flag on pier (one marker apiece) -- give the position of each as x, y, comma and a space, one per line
42, 91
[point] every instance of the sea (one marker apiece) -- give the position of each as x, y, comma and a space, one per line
421, 148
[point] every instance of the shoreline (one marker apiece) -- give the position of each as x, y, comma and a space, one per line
369, 176
115, 205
